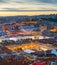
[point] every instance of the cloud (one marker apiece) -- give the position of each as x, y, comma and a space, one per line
48, 1
28, 5
30, 1
25, 10
28, 10
4, 1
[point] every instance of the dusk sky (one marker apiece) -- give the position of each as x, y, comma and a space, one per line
17, 5
28, 5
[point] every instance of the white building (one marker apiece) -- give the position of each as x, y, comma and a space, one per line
17, 38
29, 51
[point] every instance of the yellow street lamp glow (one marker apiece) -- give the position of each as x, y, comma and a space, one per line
53, 30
